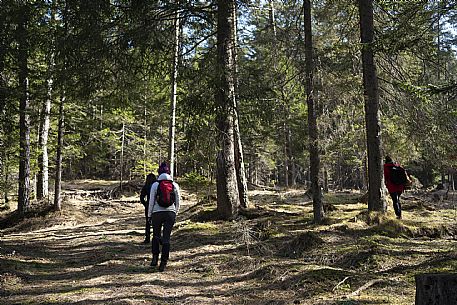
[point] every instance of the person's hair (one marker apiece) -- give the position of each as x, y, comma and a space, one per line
150, 178
163, 168
388, 159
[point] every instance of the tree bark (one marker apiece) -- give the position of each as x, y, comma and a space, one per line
376, 200
325, 185
5, 178
61, 124
318, 209
145, 137
285, 150
121, 158
173, 95
24, 120
58, 178
227, 186
240, 167
239, 157
43, 160
436, 289
3, 53
3, 99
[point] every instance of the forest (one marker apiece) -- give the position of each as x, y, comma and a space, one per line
275, 118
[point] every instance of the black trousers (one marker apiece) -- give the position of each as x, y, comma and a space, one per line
147, 228
396, 201
165, 221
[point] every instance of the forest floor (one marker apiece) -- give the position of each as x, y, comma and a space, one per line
92, 251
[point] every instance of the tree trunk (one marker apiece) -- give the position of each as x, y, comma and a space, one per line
325, 186
43, 160
101, 117
61, 124
227, 186
339, 175
365, 173
290, 163
58, 179
239, 157
24, 120
3, 95
5, 178
376, 200
285, 150
145, 138
436, 289
173, 95
121, 159
272, 17
294, 172
443, 178
239, 162
318, 209
451, 181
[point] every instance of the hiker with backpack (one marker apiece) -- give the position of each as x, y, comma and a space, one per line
395, 179
144, 199
163, 208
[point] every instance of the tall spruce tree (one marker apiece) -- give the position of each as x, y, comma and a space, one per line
314, 160
376, 201
24, 118
227, 185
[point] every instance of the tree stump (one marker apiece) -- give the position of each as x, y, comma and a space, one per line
436, 289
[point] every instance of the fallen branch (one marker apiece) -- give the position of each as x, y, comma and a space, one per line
340, 283
366, 286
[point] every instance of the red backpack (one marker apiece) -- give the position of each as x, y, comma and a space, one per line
165, 193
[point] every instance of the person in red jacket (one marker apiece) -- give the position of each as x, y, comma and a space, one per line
395, 190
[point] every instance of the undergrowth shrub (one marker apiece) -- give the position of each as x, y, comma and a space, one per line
195, 181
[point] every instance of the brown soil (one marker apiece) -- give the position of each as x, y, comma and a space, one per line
92, 251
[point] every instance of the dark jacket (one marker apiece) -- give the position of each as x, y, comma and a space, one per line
146, 189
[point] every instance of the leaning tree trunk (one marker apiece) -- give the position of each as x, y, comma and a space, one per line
239, 157
318, 208
239, 162
173, 95
24, 120
376, 200
227, 186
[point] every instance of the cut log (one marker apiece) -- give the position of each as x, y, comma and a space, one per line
436, 289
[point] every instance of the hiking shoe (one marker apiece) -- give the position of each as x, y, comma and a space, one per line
162, 266
155, 260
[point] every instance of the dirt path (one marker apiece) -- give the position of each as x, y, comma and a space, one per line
92, 254
101, 260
